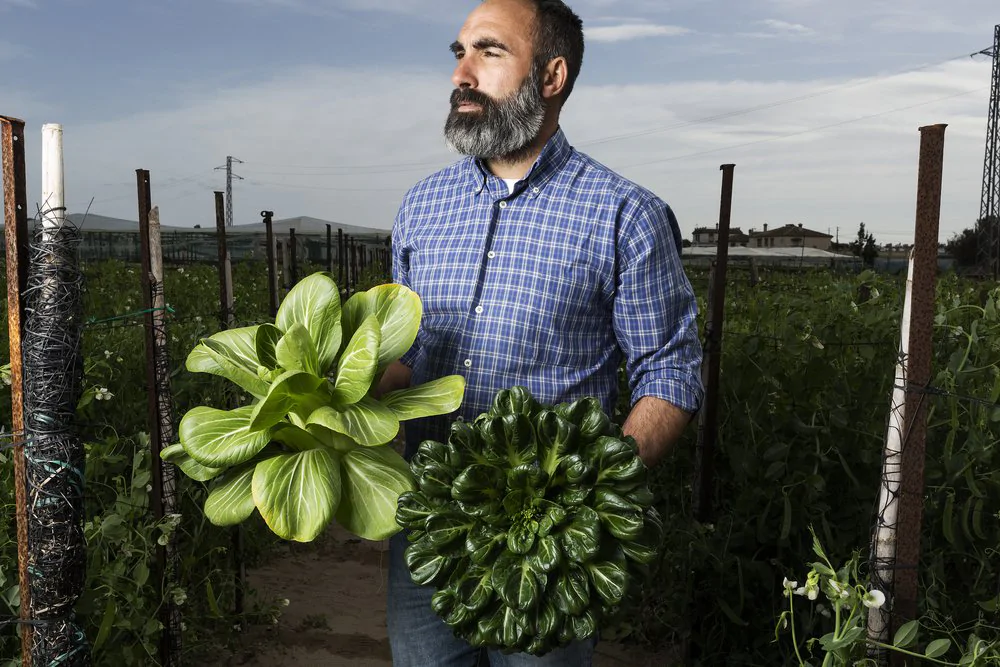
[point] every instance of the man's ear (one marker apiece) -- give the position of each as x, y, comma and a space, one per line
554, 78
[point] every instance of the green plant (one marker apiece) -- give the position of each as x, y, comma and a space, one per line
533, 522
847, 643
312, 444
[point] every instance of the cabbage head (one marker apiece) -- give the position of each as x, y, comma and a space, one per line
534, 524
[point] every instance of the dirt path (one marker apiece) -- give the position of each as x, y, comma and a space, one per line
335, 617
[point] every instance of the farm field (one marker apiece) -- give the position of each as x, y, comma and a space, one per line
807, 369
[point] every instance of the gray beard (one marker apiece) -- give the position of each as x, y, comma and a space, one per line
504, 130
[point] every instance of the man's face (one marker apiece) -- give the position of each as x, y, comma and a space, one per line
496, 108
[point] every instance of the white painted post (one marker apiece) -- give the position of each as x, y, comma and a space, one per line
53, 185
883, 558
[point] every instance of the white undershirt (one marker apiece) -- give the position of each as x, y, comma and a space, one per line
511, 182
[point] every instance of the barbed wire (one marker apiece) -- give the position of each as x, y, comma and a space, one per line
55, 459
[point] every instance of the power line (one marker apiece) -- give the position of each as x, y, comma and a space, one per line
770, 105
319, 187
800, 132
229, 187
402, 167
988, 243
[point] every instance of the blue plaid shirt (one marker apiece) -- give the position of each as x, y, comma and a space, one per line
549, 286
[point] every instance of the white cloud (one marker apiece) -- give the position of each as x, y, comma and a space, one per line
786, 27
310, 139
628, 31
435, 10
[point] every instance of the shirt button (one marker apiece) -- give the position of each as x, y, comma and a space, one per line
535, 190
468, 363
491, 254
479, 309
503, 204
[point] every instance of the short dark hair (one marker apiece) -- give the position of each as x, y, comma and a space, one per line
558, 32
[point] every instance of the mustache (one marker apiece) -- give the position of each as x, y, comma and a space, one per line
468, 95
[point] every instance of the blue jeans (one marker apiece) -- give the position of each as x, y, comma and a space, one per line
420, 638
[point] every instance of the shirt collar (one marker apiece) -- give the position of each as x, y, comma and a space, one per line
554, 155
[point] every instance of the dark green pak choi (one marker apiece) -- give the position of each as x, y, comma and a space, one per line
534, 523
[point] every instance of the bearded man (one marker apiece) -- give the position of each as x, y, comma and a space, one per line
536, 266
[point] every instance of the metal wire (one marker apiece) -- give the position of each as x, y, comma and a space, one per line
53, 380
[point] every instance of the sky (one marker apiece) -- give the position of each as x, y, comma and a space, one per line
337, 107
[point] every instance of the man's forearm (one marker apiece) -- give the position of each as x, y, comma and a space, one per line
656, 425
396, 376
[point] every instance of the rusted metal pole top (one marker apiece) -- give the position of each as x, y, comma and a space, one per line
11, 119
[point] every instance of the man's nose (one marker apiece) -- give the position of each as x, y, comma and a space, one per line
464, 76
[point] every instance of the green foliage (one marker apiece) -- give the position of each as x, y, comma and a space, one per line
314, 443
864, 246
123, 594
966, 245
846, 641
533, 523
807, 370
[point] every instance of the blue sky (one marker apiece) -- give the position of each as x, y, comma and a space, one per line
336, 106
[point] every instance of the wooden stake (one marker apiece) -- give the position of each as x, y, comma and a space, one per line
16, 236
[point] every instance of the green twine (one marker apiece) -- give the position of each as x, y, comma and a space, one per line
91, 321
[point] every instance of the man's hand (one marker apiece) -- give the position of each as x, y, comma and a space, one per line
656, 425
396, 376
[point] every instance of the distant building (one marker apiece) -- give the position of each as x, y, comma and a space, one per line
789, 236
703, 236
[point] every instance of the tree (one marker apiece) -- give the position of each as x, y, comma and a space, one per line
964, 246
865, 247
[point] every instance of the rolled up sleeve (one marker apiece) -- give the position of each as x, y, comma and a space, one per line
401, 274
655, 310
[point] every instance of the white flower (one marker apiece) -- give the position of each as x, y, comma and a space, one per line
197, 318
873, 599
801, 590
149, 488
839, 589
284, 602
789, 586
179, 595
119, 359
103, 394
107, 354
180, 270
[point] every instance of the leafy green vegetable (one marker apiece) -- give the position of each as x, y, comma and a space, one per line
313, 445
534, 523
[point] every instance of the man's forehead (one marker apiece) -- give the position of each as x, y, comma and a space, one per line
508, 20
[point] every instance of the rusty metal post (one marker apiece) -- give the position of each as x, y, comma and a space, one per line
158, 403
272, 270
220, 236
340, 258
293, 260
329, 250
920, 351
353, 280
708, 421
16, 236
227, 321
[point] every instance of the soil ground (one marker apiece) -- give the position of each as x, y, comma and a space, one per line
336, 588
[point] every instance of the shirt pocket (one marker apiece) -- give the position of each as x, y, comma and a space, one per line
562, 315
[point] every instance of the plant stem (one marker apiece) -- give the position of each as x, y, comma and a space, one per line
915, 655
791, 620
836, 632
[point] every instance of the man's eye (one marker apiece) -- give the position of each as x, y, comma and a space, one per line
491, 54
